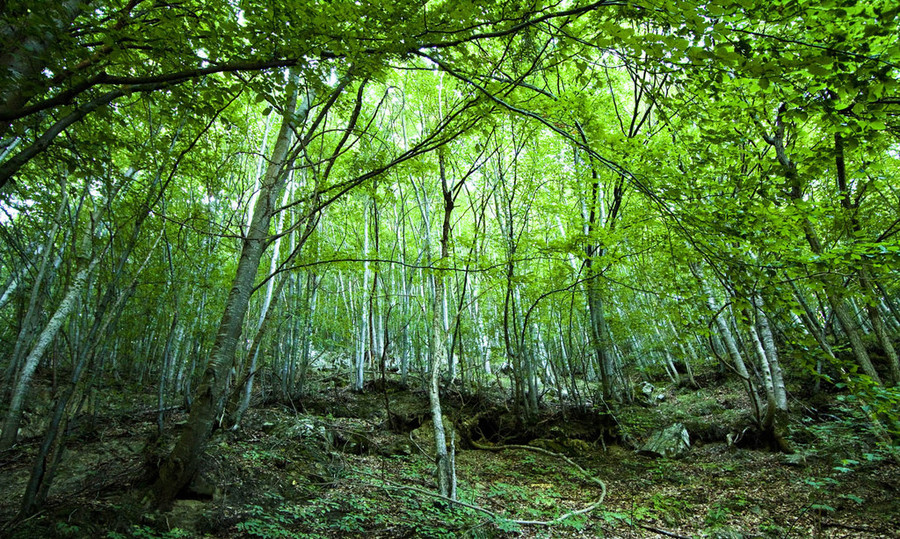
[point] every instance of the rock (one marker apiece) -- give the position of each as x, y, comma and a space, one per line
303, 428
653, 394
549, 445
424, 435
400, 447
671, 442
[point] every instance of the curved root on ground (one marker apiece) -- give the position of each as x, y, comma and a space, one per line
557, 520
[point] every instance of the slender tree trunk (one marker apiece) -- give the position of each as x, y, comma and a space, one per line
362, 349
771, 407
310, 295
601, 342
52, 447
164, 376
66, 306
767, 340
10, 288
266, 313
442, 458
832, 289
884, 338
851, 330
181, 465
36, 300
444, 461
889, 304
728, 339
688, 354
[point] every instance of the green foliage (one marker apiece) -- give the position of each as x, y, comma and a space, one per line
670, 509
636, 422
717, 515
865, 430
287, 521
146, 532
260, 456
68, 530
719, 144
356, 514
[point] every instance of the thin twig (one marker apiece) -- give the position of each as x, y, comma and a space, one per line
557, 520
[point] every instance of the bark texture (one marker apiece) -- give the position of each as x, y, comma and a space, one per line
181, 465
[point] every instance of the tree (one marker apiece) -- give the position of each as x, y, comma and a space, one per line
181, 465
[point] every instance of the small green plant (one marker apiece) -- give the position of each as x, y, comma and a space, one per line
68, 530
511, 493
270, 524
576, 522
717, 515
636, 423
667, 508
615, 518
259, 456
506, 525
770, 529
146, 532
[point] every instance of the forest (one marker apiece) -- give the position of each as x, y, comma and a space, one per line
449, 268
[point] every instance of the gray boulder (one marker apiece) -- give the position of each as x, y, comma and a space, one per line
653, 394
424, 435
671, 442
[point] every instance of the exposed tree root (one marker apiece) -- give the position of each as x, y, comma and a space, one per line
587, 509
586, 474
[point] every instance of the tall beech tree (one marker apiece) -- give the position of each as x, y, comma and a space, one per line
550, 200
181, 464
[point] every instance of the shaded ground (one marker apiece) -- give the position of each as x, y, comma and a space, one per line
332, 468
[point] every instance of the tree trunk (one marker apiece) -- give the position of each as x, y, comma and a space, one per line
832, 289
362, 349
601, 342
445, 473
267, 310
66, 306
181, 465
164, 376
310, 294
10, 288
728, 339
884, 338
889, 305
35, 302
764, 331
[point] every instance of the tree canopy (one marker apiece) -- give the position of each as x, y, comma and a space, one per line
210, 197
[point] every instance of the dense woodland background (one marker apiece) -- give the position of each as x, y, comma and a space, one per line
209, 208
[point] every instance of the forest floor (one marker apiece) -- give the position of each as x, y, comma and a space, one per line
332, 466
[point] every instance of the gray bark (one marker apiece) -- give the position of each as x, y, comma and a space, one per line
767, 340
181, 465
443, 460
66, 306
881, 331
728, 340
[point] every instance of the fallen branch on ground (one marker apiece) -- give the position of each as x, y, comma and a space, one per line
662, 532
393, 486
588, 475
